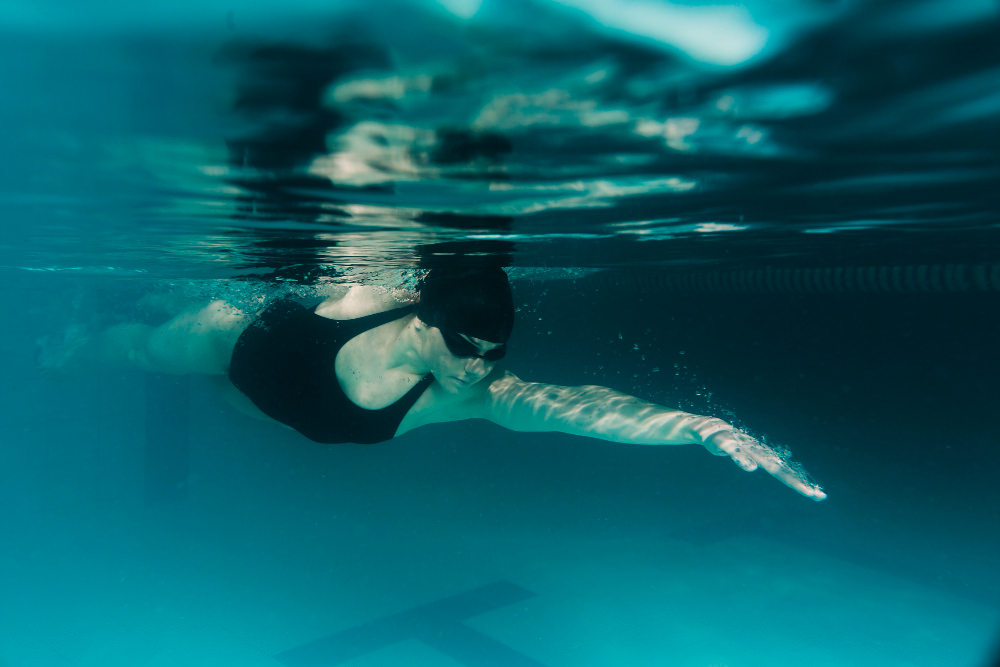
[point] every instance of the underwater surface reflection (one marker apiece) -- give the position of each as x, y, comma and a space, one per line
545, 134
781, 212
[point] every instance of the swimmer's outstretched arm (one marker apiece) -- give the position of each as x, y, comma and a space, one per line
599, 412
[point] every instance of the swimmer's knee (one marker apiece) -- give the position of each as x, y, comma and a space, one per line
154, 357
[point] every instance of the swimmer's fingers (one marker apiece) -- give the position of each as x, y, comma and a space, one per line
749, 454
779, 468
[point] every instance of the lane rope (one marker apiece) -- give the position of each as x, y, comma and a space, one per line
929, 278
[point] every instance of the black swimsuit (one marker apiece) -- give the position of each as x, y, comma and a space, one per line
285, 363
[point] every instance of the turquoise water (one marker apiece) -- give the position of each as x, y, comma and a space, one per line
783, 214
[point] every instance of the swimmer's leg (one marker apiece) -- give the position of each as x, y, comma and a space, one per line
237, 399
199, 340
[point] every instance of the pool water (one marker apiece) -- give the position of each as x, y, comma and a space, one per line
780, 214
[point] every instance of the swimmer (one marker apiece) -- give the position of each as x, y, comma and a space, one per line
366, 366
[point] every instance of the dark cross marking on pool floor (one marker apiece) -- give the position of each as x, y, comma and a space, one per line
438, 624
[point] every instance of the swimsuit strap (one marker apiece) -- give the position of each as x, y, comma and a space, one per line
403, 405
394, 412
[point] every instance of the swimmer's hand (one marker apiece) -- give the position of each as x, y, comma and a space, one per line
722, 439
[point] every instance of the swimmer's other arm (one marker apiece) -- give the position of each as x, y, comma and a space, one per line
599, 412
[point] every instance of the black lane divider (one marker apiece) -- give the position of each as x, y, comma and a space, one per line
438, 624
929, 278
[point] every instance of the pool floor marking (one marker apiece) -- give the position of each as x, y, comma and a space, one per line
437, 624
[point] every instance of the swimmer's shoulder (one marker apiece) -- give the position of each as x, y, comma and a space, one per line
349, 302
437, 406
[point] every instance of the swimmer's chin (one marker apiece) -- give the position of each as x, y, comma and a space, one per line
455, 385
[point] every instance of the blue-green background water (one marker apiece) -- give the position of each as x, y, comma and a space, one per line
783, 214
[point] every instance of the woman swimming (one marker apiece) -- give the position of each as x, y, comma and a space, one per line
367, 366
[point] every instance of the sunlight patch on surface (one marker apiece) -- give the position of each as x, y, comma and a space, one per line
391, 88
714, 34
551, 107
749, 134
464, 9
710, 227
668, 228
371, 153
674, 130
593, 194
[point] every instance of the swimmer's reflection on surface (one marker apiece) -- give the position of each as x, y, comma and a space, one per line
366, 365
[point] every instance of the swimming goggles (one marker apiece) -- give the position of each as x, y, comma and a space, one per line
462, 348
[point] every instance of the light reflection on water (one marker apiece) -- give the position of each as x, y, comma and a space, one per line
542, 134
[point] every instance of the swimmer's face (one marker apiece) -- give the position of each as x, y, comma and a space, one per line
463, 360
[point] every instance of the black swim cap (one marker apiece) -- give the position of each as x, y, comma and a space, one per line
475, 302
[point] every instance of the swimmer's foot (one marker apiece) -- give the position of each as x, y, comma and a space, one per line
60, 354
